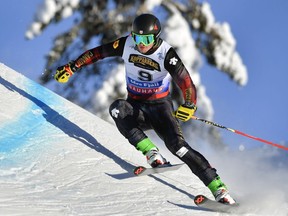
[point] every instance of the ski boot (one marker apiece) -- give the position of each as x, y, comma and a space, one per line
220, 192
154, 158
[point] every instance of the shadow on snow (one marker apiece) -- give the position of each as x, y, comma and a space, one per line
74, 131
68, 127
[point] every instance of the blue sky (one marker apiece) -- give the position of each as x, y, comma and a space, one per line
260, 29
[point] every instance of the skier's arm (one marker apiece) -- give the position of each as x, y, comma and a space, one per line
115, 48
182, 78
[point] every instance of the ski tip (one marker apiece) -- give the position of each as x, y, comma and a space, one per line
138, 170
199, 199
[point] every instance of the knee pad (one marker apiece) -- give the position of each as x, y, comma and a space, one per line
182, 151
178, 147
120, 109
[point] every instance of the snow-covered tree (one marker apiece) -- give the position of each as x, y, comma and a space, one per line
188, 25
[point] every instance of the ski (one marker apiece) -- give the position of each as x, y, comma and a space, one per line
204, 202
141, 170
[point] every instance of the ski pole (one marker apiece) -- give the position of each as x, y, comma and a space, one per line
240, 133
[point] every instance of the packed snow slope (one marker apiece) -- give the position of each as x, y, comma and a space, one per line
58, 159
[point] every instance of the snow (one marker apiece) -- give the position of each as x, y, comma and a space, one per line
59, 159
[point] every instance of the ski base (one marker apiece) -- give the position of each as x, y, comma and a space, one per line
212, 205
141, 170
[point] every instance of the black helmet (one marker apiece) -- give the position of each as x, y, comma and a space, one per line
146, 24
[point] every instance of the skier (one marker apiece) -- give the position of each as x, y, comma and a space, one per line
150, 64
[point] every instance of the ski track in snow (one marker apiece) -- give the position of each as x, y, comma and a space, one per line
58, 159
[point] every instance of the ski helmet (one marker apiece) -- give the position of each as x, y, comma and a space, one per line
145, 24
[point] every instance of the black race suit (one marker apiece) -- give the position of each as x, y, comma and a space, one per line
148, 105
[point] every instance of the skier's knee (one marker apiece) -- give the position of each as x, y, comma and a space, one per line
120, 109
177, 147
196, 161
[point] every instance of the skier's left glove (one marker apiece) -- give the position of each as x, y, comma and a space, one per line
185, 111
63, 73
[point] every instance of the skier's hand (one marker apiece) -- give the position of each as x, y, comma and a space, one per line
63, 73
185, 111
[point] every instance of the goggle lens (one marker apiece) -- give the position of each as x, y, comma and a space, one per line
144, 39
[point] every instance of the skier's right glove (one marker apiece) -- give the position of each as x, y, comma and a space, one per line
63, 73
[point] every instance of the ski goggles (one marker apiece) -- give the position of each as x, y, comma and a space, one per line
144, 39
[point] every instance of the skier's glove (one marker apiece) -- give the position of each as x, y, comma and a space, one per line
185, 111
63, 73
